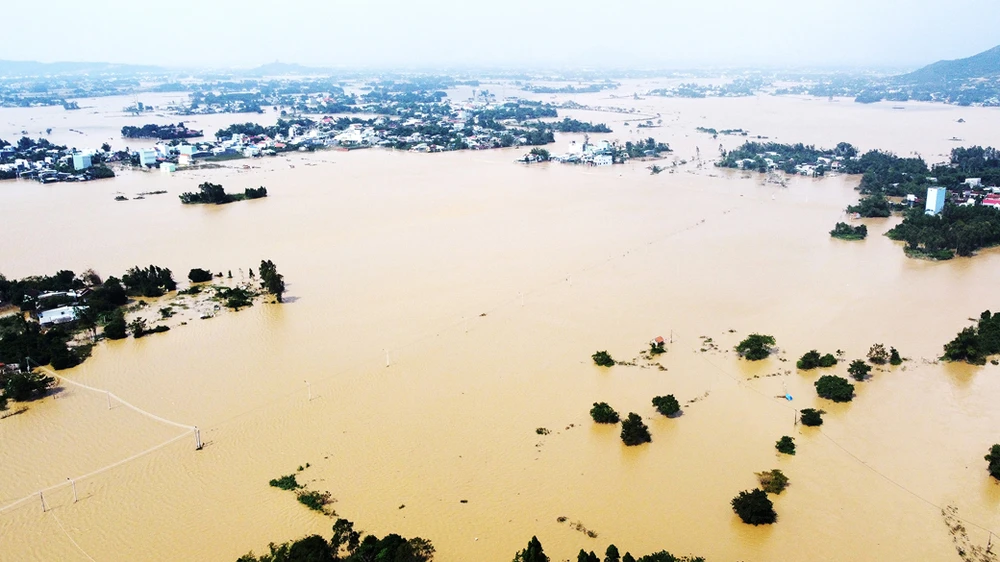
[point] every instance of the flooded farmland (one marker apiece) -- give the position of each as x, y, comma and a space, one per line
442, 307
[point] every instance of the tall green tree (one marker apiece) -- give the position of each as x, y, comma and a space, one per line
270, 280
532, 553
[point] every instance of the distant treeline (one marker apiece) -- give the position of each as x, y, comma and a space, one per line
213, 193
162, 132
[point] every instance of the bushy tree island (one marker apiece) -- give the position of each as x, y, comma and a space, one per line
667, 405
634, 431
785, 445
844, 231
213, 193
603, 359
835, 388
602, 412
975, 343
994, 461
754, 508
812, 359
756, 347
811, 417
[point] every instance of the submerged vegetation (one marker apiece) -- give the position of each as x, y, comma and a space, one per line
993, 458
811, 417
772, 481
785, 445
754, 508
667, 405
812, 359
634, 431
602, 412
975, 343
603, 359
835, 388
844, 231
346, 545
213, 193
756, 347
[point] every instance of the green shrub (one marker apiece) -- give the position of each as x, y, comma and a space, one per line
785, 445
994, 459
810, 360
834, 388
604, 413
603, 359
24, 386
859, 369
755, 347
878, 355
827, 360
773, 481
811, 417
667, 405
116, 328
754, 508
656, 348
316, 501
198, 275
634, 431
894, 358
286, 482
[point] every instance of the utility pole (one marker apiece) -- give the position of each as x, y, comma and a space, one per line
108, 392
41, 497
309, 390
73, 483
197, 439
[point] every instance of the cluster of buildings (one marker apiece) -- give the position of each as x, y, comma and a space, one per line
49, 165
972, 192
595, 154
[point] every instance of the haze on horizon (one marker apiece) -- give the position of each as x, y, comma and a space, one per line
514, 33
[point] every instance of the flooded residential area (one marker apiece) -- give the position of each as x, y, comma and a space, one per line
431, 366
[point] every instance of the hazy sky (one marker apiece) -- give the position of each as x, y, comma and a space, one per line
540, 33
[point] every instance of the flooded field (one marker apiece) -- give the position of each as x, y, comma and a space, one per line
487, 285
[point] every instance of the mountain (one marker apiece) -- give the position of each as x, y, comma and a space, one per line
285, 69
9, 68
985, 64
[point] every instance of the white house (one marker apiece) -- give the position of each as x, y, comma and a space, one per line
935, 200
602, 160
81, 161
974, 182
147, 156
58, 315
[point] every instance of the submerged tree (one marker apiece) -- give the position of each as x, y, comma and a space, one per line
667, 405
859, 369
834, 388
811, 417
755, 347
602, 412
754, 508
532, 553
785, 445
994, 459
270, 280
603, 359
634, 431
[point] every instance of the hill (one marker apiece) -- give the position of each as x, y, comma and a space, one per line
984, 64
285, 69
10, 68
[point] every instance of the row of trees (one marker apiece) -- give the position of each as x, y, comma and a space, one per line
844, 231
534, 552
347, 545
213, 193
975, 343
956, 229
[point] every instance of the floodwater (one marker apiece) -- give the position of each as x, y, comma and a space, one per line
490, 284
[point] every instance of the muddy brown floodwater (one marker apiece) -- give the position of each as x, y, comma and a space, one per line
490, 284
